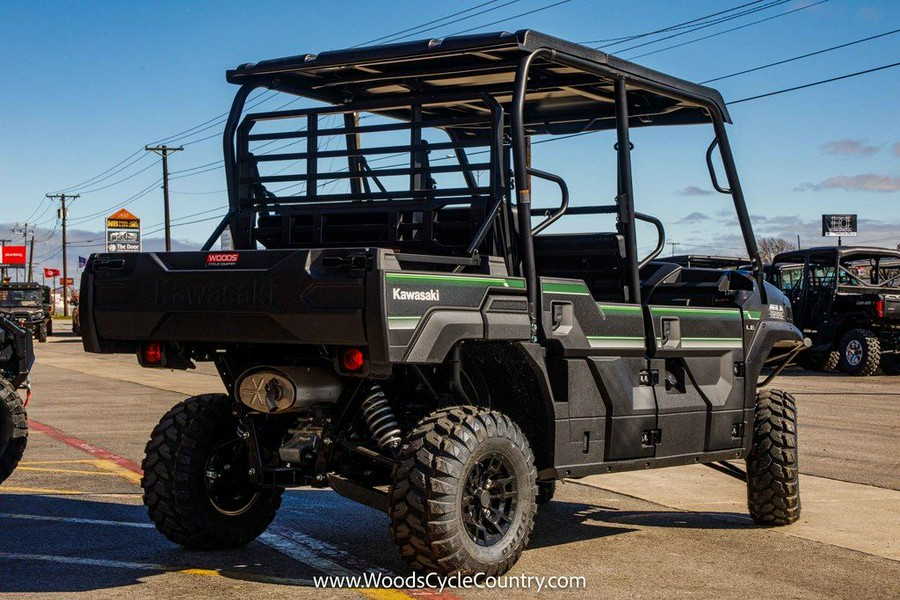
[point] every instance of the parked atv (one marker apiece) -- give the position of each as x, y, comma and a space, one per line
16, 359
417, 341
847, 300
24, 304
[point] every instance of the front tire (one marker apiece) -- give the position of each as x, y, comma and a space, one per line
196, 485
463, 495
42, 333
13, 430
773, 478
860, 352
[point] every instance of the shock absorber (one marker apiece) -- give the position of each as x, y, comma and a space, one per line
380, 418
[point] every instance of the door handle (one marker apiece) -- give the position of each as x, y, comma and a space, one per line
671, 332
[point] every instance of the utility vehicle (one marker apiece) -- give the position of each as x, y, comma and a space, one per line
401, 327
708, 262
16, 359
847, 300
24, 303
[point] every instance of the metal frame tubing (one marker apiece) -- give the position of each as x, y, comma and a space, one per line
625, 200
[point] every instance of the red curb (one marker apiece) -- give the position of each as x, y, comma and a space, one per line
83, 446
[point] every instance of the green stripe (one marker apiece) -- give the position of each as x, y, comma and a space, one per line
715, 312
623, 308
457, 280
403, 322
565, 288
615, 341
754, 314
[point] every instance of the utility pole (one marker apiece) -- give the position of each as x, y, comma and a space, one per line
164, 151
25, 231
31, 259
673, 244
3, 270
63, 215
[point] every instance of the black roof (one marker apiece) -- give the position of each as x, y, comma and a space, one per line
845, 252
30, 285
570, 90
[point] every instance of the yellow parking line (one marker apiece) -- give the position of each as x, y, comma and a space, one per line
57, 462
71, 471
379, 594
114, 469
28, 490
203, 572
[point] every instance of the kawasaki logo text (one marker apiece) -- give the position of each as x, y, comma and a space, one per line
429, 296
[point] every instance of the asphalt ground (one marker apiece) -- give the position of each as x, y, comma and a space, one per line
72, 522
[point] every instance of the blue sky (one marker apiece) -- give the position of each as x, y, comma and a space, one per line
86, 84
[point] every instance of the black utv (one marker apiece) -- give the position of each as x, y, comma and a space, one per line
847, 300
26, 305
411, 335
16, 359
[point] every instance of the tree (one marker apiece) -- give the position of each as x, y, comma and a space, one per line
769, 247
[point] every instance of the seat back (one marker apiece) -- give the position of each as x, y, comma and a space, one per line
596, 258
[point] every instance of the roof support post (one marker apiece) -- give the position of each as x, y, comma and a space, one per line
232, 178
625, 199
737, 195
523, 194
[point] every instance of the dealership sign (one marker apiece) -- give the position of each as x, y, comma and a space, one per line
123, 232
12, 256
838, 225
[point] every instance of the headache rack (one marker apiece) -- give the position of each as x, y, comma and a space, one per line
338, 190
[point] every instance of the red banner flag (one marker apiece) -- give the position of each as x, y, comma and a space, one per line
48, 273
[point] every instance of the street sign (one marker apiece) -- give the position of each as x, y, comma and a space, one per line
123, 232
12, 256
66, 281
839, 225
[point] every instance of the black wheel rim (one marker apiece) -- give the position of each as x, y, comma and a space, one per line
490, 499
226, 478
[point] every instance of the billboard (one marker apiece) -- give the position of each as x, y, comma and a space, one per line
12, 256
839, 225
123, 232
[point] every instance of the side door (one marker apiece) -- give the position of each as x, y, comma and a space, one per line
698, 353
603, 350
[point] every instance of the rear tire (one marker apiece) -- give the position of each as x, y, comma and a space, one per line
195, 478
13, 430
463, 495
42, 333
890, 364
773, 478
813, 360
860, 352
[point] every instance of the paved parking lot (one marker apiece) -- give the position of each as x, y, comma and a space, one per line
71, 518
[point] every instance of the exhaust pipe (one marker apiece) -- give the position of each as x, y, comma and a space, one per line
282, 389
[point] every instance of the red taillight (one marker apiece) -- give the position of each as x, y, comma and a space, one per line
353, 359
879, 308
153, 353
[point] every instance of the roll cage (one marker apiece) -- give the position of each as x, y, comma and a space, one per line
488, 92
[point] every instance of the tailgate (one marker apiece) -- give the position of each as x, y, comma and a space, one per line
251, 296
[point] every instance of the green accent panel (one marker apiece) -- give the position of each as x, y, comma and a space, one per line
620, 308
708, 312
403, 322
615, 341
754, 314
456, 280
565, 288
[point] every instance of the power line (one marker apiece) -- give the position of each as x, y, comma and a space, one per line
432, 22
813, 84
712, 35
530, 12
787, 60
670, 27
711, 23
